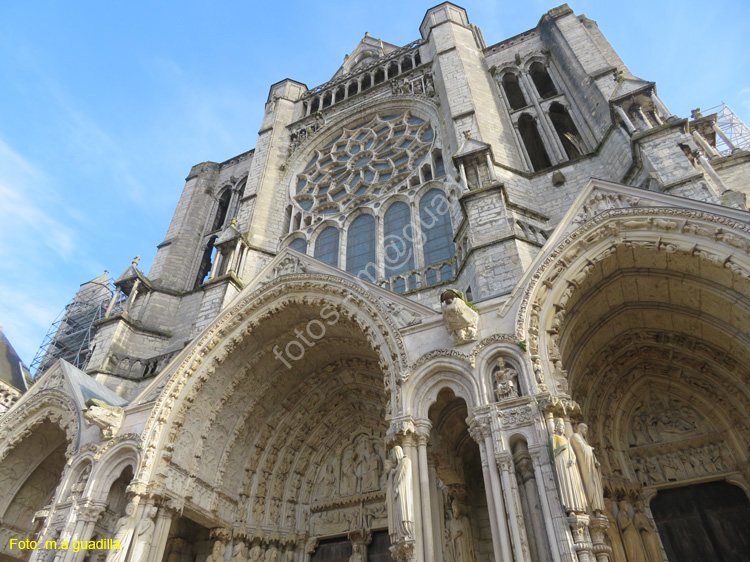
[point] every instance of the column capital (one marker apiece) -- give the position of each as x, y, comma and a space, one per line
90, 511
400, 429
504, 461
423, 428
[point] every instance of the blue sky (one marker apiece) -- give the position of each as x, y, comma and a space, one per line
105, 106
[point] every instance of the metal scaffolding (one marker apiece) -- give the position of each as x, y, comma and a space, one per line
70, 335
736, 135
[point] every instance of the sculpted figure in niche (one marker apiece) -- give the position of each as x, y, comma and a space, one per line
327, 483
401, 498
589, 468
461, 537
569, 482
648, 534
144, 535
239, 552
349, 476
272, 555
217, 554
461, 318
356, 553
613, 534
256, 552
123, 534
631, 539
373, 467
506, 380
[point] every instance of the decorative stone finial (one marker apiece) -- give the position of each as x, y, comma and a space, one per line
233, 224
467, 134
136, 259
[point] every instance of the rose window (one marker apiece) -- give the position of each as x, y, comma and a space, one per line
380, 155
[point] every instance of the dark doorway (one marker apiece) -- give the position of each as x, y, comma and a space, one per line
704, 522
333, 550
379, 549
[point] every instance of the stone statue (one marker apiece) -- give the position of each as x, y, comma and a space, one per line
461, 319
349, 478
356, 553
373, 466
217, 554
506, 380
144, 535
327, 483
256, 552
239, 552
272, 555
123, 534
401, 498
613, 534
648, 534
569, 482
461, 537
631, 539
589, 468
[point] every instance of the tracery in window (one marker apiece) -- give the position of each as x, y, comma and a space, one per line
222, 209
327, 246
437, 235
364, 162
360, 247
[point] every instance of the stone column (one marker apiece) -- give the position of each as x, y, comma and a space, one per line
549, 524
725, 138
525, 471
161, 534
598, 527
659, 105
547, 132
579, 527
437, 533
423, 437
88, 514
625, 119
495, 491
505, 464
494, 526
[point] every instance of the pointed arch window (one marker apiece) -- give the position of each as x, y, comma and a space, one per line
513, 91
437, 234
399, 249
327, 246
566, 130
360, 246
299, 244
542, 80
222, 210
533, 143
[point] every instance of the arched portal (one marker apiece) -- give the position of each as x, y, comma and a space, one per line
282, 433
29, 476
647, 329
464, 520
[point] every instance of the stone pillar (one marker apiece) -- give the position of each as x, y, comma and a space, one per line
725, 138
505, 464
625, 119
423, 437
659, 105
549, 524
579, 527
598, 527
133, 294
161, 534
495, 490
494, 526
437, 513
88, 514
526, 475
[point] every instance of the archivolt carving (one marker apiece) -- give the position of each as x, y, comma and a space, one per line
228, 331
658, 229
49, 404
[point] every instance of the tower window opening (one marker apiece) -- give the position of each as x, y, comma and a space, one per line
532, 141
542, 81
513, 91
222, 209
566, 130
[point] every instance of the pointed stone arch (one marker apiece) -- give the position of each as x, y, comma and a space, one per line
244, 432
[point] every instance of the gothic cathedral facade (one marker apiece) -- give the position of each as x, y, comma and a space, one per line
461, 303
